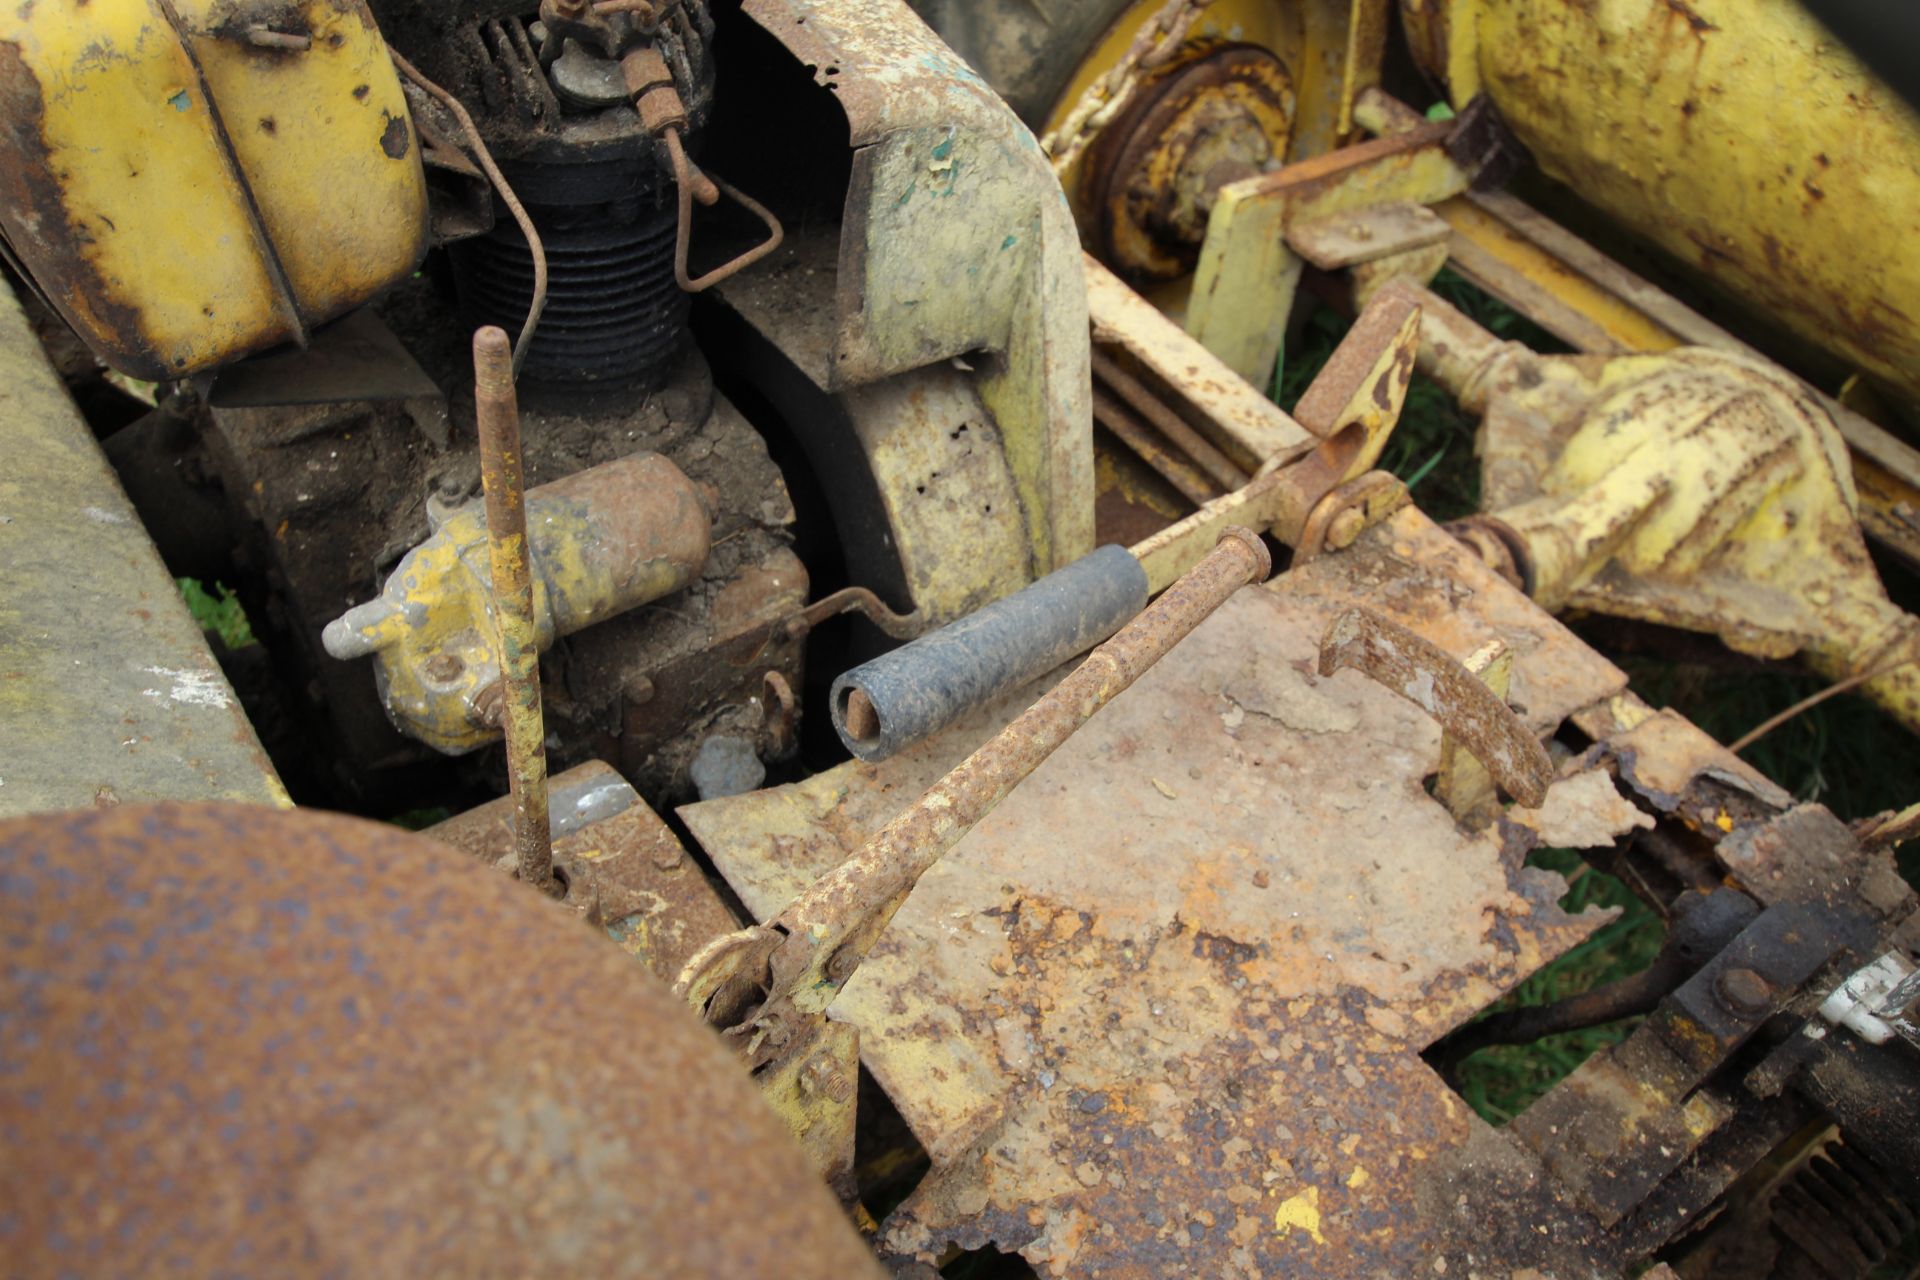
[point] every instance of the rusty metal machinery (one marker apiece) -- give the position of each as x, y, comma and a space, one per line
562, 151
1156, 961
353, 1082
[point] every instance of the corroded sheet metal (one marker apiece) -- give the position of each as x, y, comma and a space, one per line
1160, 1013
624, 869
242, 1042
107, 690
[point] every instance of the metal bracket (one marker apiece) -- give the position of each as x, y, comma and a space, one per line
1472, 714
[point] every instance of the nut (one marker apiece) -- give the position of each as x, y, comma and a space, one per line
1744, 992
842, 963
488, 704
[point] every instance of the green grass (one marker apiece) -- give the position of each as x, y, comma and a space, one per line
217, 611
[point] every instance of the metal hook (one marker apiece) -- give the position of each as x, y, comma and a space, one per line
691, 182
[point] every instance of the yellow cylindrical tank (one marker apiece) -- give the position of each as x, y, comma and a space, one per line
1737, 134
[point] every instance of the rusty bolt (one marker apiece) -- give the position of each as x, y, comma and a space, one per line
488, 704
443, 667
821, 1076
843, 962
639, 690
1744, 992
262, 37
667, 853
1344, 528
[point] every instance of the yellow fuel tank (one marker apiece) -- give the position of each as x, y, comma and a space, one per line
1737, 134
189, 181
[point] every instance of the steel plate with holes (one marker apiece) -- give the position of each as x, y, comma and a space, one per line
1161, 1013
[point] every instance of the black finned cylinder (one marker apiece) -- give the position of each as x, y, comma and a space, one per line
615, 319
921, 687
557, 118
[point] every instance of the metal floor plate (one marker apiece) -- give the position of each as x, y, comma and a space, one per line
1161, 1012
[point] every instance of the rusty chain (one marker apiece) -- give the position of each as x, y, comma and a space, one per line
1153, 46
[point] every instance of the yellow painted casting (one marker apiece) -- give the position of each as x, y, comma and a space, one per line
432, 629
1696, 489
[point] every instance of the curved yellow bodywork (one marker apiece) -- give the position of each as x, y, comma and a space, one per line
1737, 134
191, 183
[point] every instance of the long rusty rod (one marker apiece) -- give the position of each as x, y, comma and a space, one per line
814, 946
504, 483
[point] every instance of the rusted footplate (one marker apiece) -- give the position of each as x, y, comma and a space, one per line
760, 985
619, 865
1161, 1012
1463, 704
767, 988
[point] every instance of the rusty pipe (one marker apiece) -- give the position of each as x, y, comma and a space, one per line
498, 414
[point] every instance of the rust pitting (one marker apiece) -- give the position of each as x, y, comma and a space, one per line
321, 1058
1127, 1055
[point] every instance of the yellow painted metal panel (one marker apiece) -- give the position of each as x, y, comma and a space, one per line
323, 137
118, 194
189, 186
1738, 135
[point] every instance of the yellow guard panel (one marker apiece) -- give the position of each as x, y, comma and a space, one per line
132, 160
325, 142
